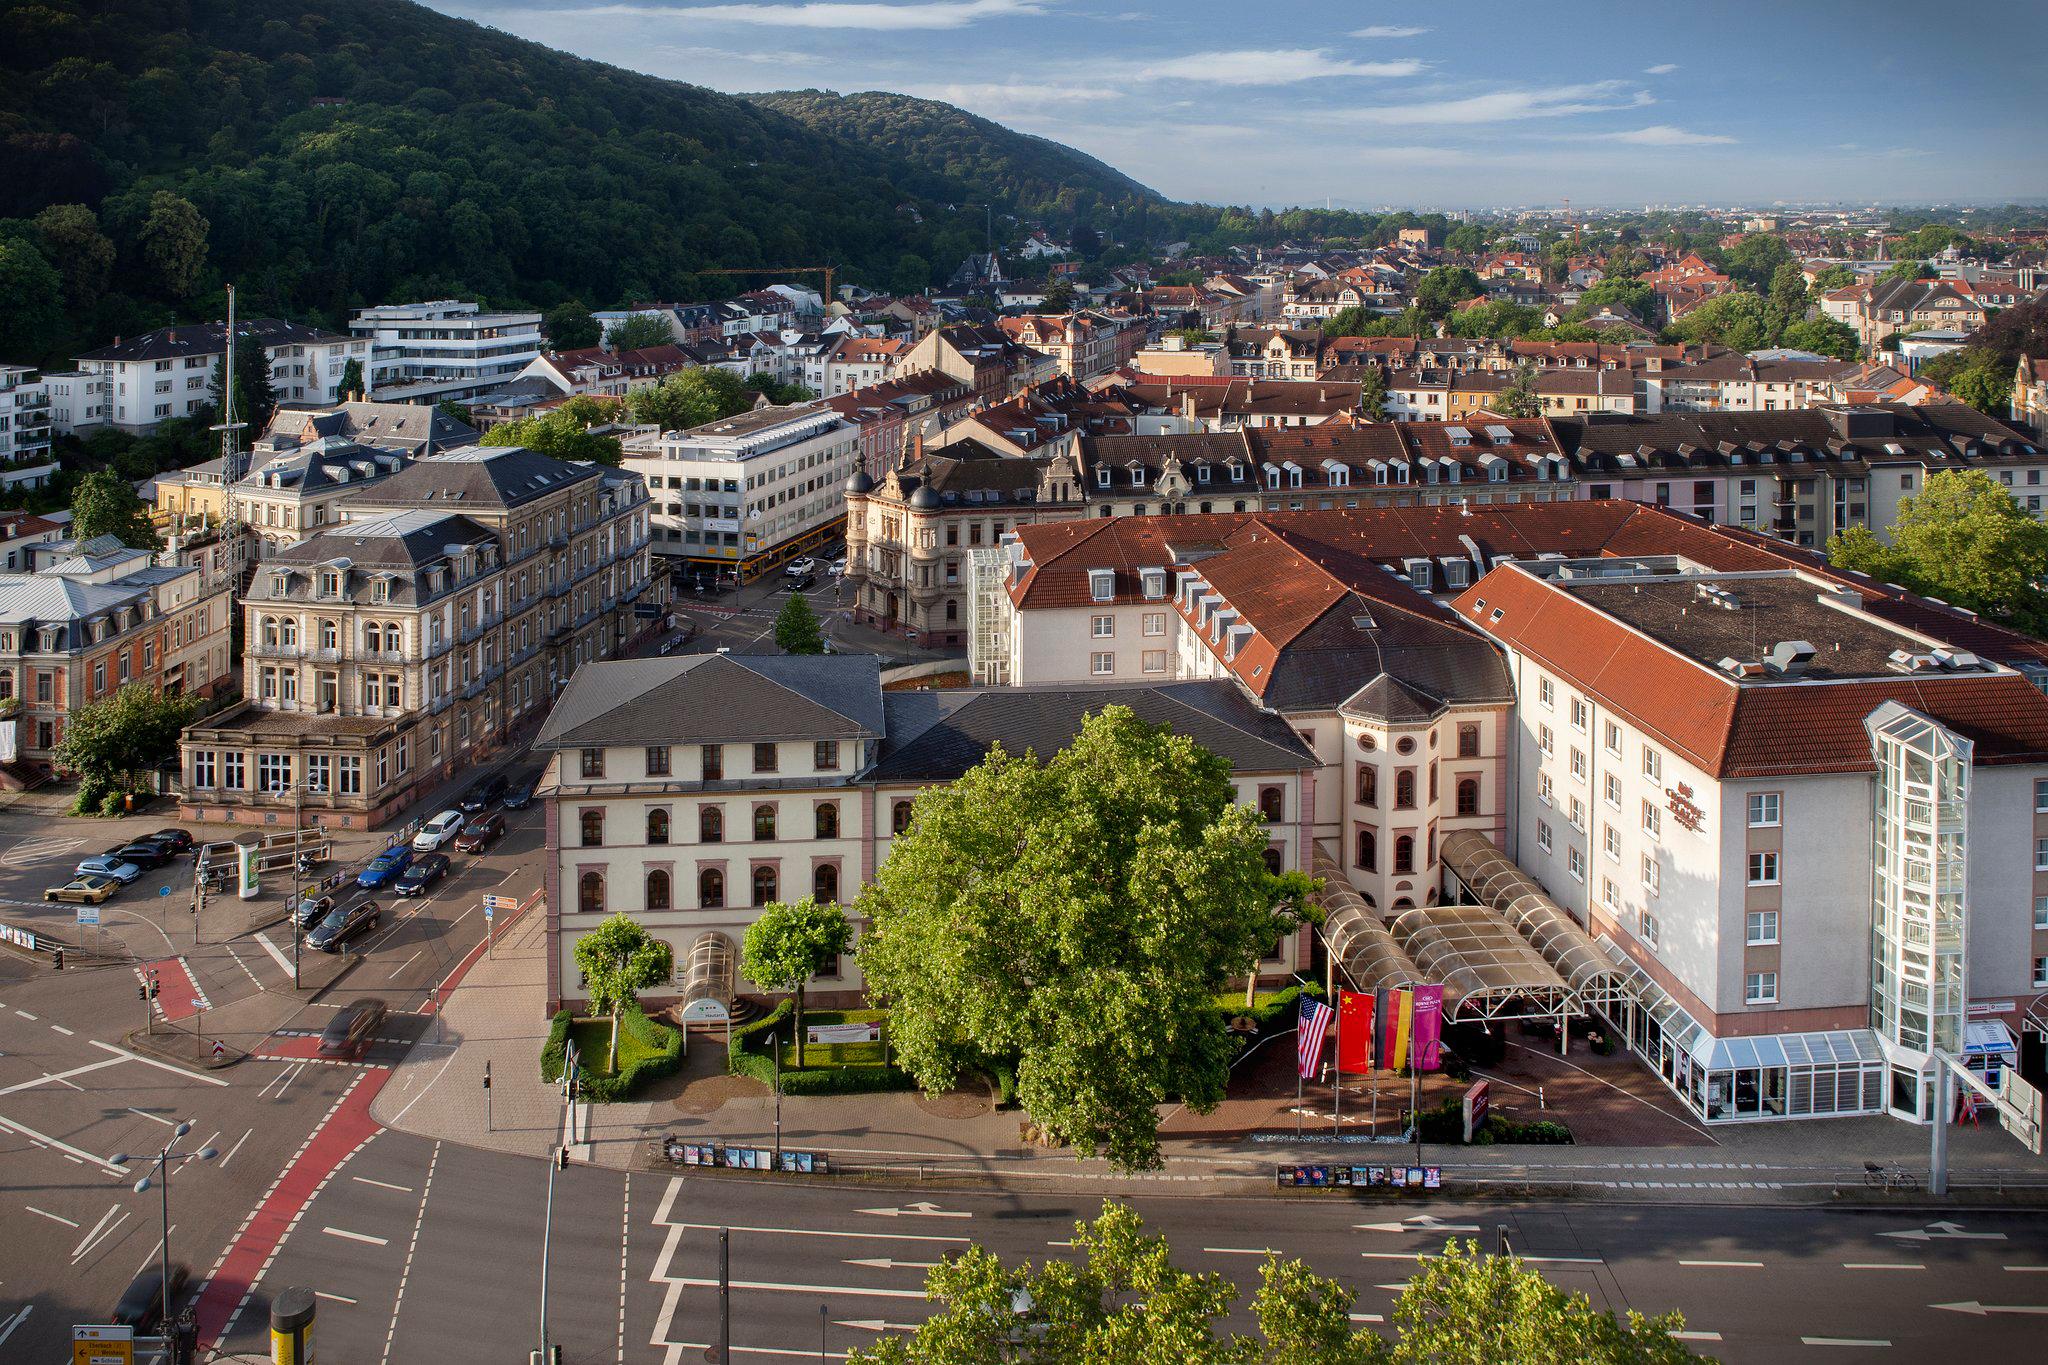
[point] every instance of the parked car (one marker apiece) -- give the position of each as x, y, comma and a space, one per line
384, 867
87, 890
481, 833
107, 865
800, 568
485, 794
175, 838
520, 794
313, 909
141, 1305
352, 1029
426, 869
440, 830
144, 853
341, 924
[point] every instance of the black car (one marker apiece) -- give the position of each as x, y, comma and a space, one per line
353, 1028
141, 1303
341, 924
144, 853
520, 794
426, 869
175, 839
313, 909
485, 794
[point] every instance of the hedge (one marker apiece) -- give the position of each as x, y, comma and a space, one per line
664, 1056
1445, 1123
749, 1056
556, 1049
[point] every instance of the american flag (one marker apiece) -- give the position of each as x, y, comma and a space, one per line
1314, 1028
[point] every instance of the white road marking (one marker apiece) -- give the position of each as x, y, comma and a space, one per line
2028, 1269
60, 1076
1882, 1265
291, 1074
45, 1140
1367, 1317
625, 1242
332, 1298
405, 1272
1242, 1251
1978, 1310
1421, 1222
1561, 1260
245, 967
276, 953
59, 1028
85, 1242
1400, 1255
381, 1184
923, 1209
7, 1327
1724, 1265
53, 1217
357, 1236
1944, 1231
1843, 1341
161, 1066
778, 1287
151, 1259
403, 965
1695, 1336
885, 1235
32, 1018
236, 1148
885, 1263
153, 1118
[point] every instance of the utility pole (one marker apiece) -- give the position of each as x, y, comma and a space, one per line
725, 1296
298, 871
778, 1101
162, 1164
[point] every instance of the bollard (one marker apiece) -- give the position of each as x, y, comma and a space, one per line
291, 1327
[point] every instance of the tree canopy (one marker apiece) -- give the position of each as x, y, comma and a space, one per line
570, 327
564, 432
791, 942
1444, 288
105, 504
689, 398
110, 743
1965, 539
619, 959
1519, 398
637, 331
1074, 919
796, 627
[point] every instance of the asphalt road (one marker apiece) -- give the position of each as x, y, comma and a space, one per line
415, 1244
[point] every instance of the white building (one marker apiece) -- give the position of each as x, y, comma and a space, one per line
24, 427
748, 492
78, 400
444, 349
169, 372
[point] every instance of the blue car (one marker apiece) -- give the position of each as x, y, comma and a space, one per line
108, 865
384, 867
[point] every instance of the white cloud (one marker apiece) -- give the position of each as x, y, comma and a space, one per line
1276, 66
1500, 106
1661, 69
1664, 135
830, 14
763, 57
1389, 31
1001, 101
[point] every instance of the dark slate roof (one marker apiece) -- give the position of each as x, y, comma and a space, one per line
1389, 700
716, 699
410, 427
208, 338
327, 462
938, 736
494, 477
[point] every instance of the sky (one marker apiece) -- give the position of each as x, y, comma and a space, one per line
1368, 104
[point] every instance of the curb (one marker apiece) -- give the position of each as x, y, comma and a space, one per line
142, 1040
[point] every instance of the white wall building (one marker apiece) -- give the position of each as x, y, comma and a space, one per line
169, 372
444, 349
24, 426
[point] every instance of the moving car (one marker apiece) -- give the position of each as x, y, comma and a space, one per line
481, 833
426, 869
352, 1029
87, 890
177, 840
485, 794
837, 568
440, 830
384, 867
520, 795
107, 865
800, 568
313, 909
341, 924
141, 1305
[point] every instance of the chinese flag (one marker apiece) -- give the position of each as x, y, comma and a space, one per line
1354, 1032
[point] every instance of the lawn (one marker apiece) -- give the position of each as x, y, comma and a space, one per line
593, 1039
832, 1056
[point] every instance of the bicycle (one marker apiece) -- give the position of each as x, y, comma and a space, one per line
1889, 1178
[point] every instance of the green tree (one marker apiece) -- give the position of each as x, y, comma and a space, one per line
565, 432
912, 274
1372, 393
1444, 288
72, 240
351, 384
1059, 297
639, 331
1120, 1300
1738, 321
105, 504
1074, 919
1637, 298
1822, 336
1834, 277
619, 959
255, 394
690, 398
1519, 398
796, 627
173, 240
779, 392
792, 942
1908, 270
1756, 258
111, 743
1964, 539
31, 302
571, 328
1788, 299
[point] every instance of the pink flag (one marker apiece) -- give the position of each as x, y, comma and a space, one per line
1429, 1027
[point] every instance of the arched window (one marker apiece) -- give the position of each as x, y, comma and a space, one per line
1403, 903
711, 889
288, 631
593, 828
657, 826
6, 683
1404, 789
825, 884
899, 817
1404, 853
764, 822
657, 890
1271, 805
1272, 857
268, 630
1368, 786
1368, 851
590, 893
1468, 796
764, 885
828, 821
710, 824
330, 635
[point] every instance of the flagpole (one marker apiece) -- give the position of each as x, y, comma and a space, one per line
1337, 1074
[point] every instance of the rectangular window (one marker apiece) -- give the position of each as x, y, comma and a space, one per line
1613, 738
1578, 763
1760, 988
1653, 873
2041, 912
1468, 741
1579, 714
657, 760
1545, 740
1155, 623
592, 763
2041, 855
1610, 894
1105, 627
1653, 819
1545, 792
1612, 790
1610, 838
231, 771
1101, 664
825, 755
764, 758
1648, 928
2041, 971
1763, 869
1546, 692
1578, 814
1653, 764
273, 773
349, 775
203, 776
1575, 863
1155, 661
1763, 810
714, 762
317, 772
2041, 795
1762, 928
1543, 835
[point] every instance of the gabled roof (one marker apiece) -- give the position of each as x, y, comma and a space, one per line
717, 698
484, 478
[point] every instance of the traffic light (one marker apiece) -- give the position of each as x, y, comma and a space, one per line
562, 1158
57, 957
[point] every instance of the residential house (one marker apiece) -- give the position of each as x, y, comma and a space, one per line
444, 349
168, 373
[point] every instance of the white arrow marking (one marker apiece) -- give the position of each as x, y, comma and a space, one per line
874, 1325
7, 1327
1944, 1230
920, 1210
1976, 1309
1421, 1222
884, 1263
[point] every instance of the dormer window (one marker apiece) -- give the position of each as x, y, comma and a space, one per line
380, 591
330, 583
1101, 585
1201, 473
1137, 475
1272, 476
1154, 583
1102, 478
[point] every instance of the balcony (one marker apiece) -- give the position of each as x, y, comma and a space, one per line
476, 630
258, 649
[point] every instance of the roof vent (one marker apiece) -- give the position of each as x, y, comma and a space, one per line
1789, 658
1955, 660
1741, 668
1906, 661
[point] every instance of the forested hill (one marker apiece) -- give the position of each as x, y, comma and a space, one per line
1029, 175
374, 150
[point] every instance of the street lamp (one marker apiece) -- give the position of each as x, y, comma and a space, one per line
163, 1162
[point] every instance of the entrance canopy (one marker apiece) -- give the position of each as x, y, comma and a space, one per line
709, 976
1358, 941
1489, 971
1492, 877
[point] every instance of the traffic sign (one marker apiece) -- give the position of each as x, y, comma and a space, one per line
102, 1345
89, 916
495, 902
